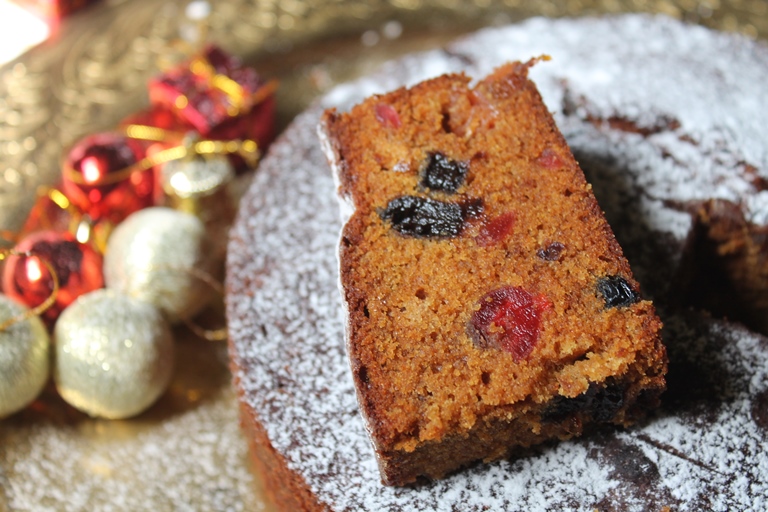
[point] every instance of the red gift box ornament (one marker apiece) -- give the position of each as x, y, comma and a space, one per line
217, 96
101, 178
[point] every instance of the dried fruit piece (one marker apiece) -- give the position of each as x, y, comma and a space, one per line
496, 230
423, 217
509, 319
443, 174
617, 292
387, 115
551, 252
471, 208
549, 159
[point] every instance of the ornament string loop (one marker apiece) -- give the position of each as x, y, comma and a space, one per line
43, 306
197, 11
264, 92
151, 133
207, 334
204, 277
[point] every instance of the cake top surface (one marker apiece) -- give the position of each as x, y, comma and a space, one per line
697, 93
688, 103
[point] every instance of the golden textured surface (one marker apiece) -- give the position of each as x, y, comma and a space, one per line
186, 452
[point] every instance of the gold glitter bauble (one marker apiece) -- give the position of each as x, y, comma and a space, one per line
24, 358
154, 255
195, 179
202, 187
114, 354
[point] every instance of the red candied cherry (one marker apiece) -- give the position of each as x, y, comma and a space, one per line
549, 159
496, 230
387, 115
509, 319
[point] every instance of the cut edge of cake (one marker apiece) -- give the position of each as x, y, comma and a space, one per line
625, 393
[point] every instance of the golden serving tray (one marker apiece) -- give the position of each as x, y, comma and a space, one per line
187, 452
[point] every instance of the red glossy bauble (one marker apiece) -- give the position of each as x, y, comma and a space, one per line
90, 172
28, 280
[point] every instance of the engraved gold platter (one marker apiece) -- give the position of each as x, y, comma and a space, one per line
187, 451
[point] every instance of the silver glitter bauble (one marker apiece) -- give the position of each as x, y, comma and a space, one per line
114, 354
24, 358
154, 256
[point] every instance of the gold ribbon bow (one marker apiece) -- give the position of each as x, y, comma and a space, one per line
239, 101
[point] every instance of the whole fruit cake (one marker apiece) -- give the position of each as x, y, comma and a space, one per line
489, 306
664, 119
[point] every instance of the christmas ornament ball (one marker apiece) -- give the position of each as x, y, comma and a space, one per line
24, 358
202, 187
100, 180
155, 255
114, 354
78, 268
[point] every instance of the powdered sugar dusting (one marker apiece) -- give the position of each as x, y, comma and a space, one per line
704, 115
704, 448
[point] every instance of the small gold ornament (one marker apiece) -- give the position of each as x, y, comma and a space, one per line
155, 256
195, 178
114, 354
24, 357
201, 186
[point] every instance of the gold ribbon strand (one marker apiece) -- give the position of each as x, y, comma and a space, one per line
203, 276
220, 334
202, 68
247, 149
81, 225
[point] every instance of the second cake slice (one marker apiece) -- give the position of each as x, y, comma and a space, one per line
489, 304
